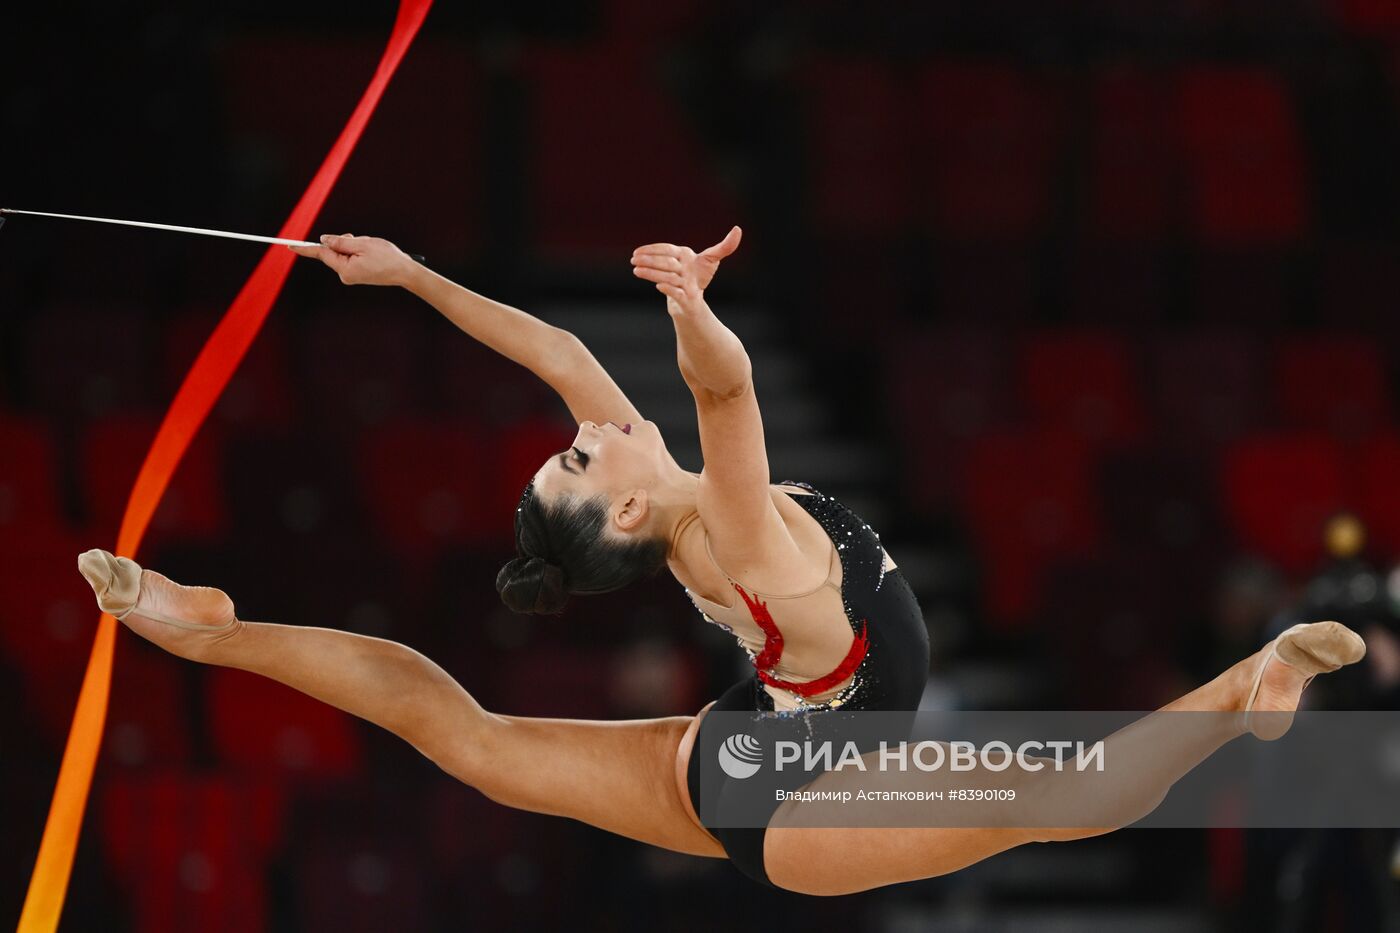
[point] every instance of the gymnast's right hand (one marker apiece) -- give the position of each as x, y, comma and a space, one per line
361, 260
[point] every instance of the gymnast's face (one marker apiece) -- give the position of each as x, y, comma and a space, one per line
606, 460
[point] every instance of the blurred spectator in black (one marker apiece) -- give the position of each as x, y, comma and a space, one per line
1342, 879
1350, 589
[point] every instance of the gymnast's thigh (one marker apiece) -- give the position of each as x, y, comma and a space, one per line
857, 859
616, 775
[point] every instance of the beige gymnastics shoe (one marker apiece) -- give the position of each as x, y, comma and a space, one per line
140, 598
1302, 652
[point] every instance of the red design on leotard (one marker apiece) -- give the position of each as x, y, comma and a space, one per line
767, 659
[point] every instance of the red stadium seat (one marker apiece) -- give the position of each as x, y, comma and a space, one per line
1244, 159
48, 618
1083, 382
1279, 491
989, 137
945, 388
147, 716
1334, 384
260, 392
857, 118
1373, 17
265, 728
192, 508
29, 477
1207, 387
192, 851
1132, 167
1028, 500
597, 192
428, 483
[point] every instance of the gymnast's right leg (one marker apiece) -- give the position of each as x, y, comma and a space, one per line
620, 776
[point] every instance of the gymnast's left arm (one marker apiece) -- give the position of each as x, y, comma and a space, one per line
554, 354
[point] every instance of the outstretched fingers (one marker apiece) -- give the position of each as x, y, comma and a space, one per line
670, 284
651, 273
345, 243
657, 261
339, 262
658, 249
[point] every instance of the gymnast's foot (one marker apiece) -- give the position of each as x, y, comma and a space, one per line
184, 620
1287, 664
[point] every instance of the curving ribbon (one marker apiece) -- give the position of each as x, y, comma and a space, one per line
196, 397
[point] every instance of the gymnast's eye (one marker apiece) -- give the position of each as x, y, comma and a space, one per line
583, 458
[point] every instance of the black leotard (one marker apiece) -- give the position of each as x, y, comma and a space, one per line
891, 676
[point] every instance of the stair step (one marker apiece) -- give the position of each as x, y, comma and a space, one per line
785, 417
638, 368
636, 343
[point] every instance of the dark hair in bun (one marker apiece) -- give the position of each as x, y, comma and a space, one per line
563, 549
532, 584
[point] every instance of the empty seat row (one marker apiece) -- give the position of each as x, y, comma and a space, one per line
423, 482
346, 369
1034, 498
976, 148
217, 852
1193, 387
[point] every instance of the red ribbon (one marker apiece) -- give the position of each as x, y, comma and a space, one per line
201, 389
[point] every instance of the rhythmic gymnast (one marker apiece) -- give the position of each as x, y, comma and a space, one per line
614, 508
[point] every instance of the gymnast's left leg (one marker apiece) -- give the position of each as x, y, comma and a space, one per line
1256, 695
620, 776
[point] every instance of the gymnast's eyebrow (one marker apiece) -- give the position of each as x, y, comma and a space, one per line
564, 463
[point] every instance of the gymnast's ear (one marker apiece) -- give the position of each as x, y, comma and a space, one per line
633, 512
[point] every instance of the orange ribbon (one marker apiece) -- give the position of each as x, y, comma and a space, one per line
201, 389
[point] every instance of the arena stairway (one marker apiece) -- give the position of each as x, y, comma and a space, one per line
637, 345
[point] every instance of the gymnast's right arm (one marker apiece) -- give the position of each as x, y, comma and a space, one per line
555, 355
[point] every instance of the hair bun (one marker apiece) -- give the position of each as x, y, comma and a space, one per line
532, 585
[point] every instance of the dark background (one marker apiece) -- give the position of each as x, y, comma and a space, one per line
1110, 288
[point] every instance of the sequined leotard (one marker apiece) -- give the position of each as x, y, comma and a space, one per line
891, 672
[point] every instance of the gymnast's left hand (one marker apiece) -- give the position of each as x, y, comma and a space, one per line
361, 260
680, 273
